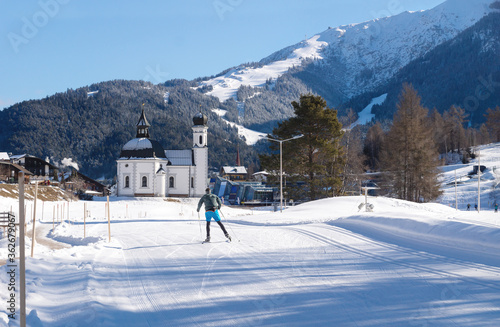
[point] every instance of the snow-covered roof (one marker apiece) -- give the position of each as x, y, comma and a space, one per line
138, 144
18, 156
142, 148
234, 170
180, 157
4, 156
260, 173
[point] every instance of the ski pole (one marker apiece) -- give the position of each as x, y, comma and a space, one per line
232, 231
199, 224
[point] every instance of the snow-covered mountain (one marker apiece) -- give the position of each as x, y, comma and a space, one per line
356, 58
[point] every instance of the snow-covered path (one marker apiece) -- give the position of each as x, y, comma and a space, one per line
312, 274
317, 264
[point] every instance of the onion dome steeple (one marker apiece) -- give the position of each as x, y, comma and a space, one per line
200, 119
142, 126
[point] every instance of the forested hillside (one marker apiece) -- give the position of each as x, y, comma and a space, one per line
92, 129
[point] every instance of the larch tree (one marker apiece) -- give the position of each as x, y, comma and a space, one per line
354, 158
317, 157
454, 120
410, 158
373, 145
493, 123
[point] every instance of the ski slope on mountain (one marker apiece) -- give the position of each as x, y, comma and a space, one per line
226, 86
323, 263
376, 48
365, 116
250, 136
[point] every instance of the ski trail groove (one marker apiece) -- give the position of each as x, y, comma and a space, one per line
363, 253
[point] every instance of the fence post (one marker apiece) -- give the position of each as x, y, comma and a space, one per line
34, 222
22, 250
109, 223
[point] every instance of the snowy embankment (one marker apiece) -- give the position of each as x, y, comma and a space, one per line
431, 227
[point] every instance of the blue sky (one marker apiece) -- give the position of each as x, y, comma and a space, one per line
48, 46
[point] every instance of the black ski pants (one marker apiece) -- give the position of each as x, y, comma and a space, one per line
220, 225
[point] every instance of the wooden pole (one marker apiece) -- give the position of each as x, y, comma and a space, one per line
22, 250
84, 218
109, 222
456, 196
43, 208
34, 222
478, 181
53, 216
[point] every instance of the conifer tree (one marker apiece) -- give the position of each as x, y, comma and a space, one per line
410, 157
316, 158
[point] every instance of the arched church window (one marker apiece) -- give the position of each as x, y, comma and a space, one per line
127, 181
171, 182
201, 139
144, 181
192, 182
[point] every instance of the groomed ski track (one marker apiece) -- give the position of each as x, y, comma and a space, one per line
295, 275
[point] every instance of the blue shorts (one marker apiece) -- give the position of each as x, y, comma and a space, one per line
211, 214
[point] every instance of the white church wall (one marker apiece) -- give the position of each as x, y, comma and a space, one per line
142, 177
180, 186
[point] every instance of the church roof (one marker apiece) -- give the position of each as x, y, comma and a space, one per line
142, 120
180, 157
142, 148
200, 119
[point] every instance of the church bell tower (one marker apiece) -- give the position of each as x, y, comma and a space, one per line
200, 154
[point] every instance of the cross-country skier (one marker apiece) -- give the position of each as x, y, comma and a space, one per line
212, 206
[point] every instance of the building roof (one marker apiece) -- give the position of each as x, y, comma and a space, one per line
141, 148
234, 170
180, 157
20, 156
20, 168
4, 156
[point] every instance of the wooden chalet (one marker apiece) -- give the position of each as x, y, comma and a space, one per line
9, 172
237, 173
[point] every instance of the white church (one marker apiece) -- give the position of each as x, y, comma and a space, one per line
146, 169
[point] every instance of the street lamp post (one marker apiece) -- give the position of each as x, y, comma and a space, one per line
281, 164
